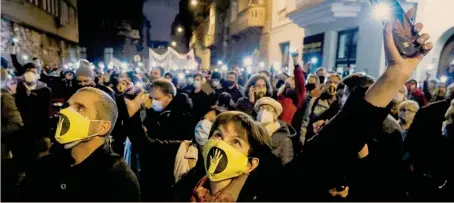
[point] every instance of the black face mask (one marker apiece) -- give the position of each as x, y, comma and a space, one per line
322, 79
279, 84
229, 83
310, 86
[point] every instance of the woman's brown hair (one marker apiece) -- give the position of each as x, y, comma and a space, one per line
247, 129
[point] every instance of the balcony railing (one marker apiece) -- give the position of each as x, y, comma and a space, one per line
254, 16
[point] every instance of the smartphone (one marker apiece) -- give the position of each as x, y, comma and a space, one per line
405, 40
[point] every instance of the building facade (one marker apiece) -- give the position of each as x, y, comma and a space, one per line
43, 28
341, 33
285, 36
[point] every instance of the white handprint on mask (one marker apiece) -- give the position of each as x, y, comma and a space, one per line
214, 161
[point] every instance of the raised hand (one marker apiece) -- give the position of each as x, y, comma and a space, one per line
214, 161
252, 94
134, 105
405, 64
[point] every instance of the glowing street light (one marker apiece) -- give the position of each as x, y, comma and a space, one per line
140, 64
220, 62
110, 65
15, 40
124, 65
314, 60
25, 57
216, 70
101, 65
194, 2
179, 29
381, 11
65, 66
224, 68
247, 61
174, 44
443, 79
181, 76
262, 64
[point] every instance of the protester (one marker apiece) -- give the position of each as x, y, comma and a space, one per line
168, 76
268, 111
190, 151
233, 138
232, 87
414, 93
167, 124
321, 74
425, 145
156, 72
203, 96
407, 112
256, 87
84, 165
86, 77
225, 101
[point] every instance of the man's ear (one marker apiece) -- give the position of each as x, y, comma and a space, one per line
253, 163
104, 128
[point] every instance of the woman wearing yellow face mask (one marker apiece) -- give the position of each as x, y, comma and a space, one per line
237, 151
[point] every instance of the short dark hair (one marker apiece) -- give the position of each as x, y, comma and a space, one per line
233, 73
165, 86
169, 74
197, 75
216, 75
30, 65
358, 80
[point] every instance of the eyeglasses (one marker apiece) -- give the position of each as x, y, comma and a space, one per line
403, 110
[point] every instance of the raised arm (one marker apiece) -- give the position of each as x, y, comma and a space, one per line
300, 88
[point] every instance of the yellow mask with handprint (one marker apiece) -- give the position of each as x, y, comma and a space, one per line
223, 161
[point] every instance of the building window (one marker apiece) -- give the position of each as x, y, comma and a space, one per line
64, 15
347, 43
72, 16
285, 53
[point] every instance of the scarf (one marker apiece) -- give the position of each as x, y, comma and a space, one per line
202, 193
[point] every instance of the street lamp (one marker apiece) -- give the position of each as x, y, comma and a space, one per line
194, 2
314, 60
174, 44
381, 11
25, 57
179, 29
247, 61
262, 64
220, 62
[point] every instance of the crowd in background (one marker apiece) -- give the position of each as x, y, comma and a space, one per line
119, 134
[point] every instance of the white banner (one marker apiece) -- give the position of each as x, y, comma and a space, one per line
172, 60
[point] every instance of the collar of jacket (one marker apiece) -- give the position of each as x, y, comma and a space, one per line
99, 156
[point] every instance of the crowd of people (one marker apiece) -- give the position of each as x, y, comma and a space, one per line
94, 134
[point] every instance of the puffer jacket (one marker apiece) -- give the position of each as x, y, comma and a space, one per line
282, 143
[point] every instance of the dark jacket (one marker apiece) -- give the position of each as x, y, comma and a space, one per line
429, 150
202, 103
11, 118
166, 130
19, 68
34, 107
329, 156
282, 143
235, 93
102, 177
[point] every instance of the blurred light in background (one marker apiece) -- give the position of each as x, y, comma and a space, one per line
381, 11
262, 64
247, 61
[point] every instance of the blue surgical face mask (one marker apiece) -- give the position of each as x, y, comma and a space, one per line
156, 105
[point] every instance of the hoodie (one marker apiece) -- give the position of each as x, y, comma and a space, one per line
282, 142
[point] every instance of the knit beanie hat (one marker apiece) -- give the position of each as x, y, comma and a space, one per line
84, 69
271, 102
4, 62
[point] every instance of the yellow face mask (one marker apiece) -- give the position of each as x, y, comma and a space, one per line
260, 90
331, 90
72, 127
223, 161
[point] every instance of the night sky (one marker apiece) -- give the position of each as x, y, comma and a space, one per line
161, 14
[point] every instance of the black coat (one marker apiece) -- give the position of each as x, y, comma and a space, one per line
329, 156
235, 93
102, 177
429, 151
157, 151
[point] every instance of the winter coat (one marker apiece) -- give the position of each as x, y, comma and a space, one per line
330, 155
429, 152
102, 177
11, 118
34, 107
246, 106
282, 142
289, 104
418, 97
186, 159
235, 93
202, 103
157, 150
314, 109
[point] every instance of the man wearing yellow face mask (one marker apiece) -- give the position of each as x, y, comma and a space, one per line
86, 169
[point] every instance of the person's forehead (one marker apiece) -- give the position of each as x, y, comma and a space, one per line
157, 92
84, 98
82, 77
260, 81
